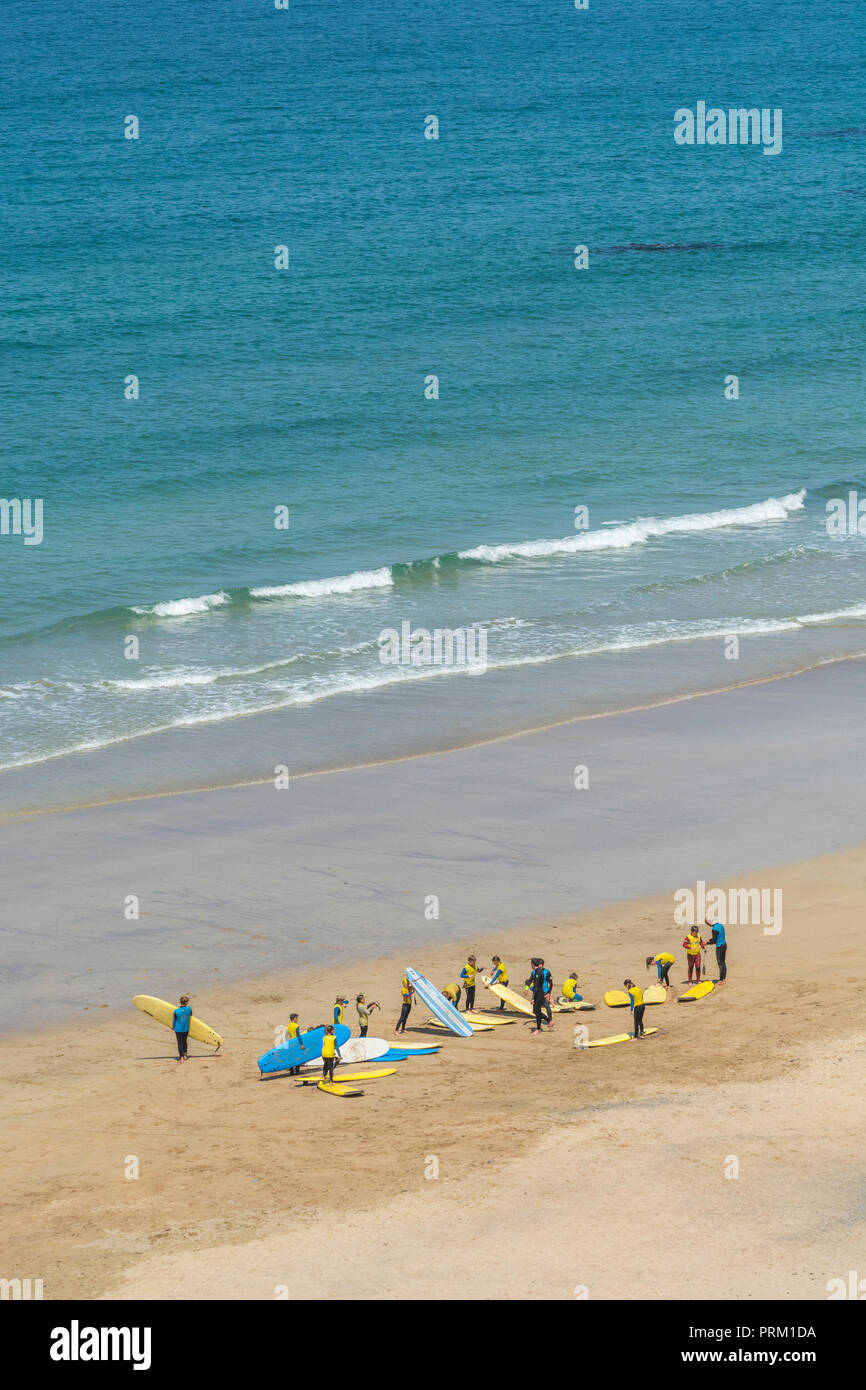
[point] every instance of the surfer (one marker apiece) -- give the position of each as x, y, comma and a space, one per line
540, 983
663, 963
407, 993
339, 1004
452, 994
719, 940
467, 975
693, 944
330, 1053
635, 994
293, 1031
364, 1012
569, 990
180, 1023
499, 977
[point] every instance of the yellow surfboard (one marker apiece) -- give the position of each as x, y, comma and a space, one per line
164, 1014
697, 992
572, 1006
334, 1089
618, 1037
350, 1076
656, 994
489, 1020
476, 1027
510, 996
617, 998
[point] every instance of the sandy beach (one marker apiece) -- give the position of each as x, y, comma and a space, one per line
559, 1169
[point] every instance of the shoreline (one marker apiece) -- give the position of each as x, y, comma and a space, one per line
251, 881
14, 816
325, 730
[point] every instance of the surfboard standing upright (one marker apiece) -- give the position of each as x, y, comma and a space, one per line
438, 1004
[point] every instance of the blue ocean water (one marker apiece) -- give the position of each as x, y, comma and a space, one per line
411, 258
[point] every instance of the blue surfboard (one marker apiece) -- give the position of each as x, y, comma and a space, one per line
396, 1054
438, 1004
291, 1054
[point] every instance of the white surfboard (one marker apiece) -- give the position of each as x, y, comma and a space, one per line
357, 1050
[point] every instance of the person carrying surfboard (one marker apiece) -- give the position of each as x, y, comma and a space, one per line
180, 1025
407, 994
693, 944
330, 1053
663, 963
364, 1012
499, 977
293, 1031
467, 975
635, 994
719, 941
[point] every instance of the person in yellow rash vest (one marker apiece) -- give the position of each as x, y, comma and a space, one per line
693, 945
569, 990
499, 977
330, 1053
452, 994
663, 963
467, 975
637, 1005
407, 994
293, 1031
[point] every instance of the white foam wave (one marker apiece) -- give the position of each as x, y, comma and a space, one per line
322, 588
622, 537
182, 607
857, 611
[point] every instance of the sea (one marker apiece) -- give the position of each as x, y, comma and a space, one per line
321, 323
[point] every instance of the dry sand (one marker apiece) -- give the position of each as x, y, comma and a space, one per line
558, 1169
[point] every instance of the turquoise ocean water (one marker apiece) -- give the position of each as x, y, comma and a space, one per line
305, 387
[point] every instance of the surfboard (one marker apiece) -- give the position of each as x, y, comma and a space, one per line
473, 1027
164, 1014
397, 1054
438, 1004
363, 1049
617, 998
656, 994
333, 1088
351, 1076
489, 1020
618, 1037
517, 1001
291, 1054
568, 1008
697, 992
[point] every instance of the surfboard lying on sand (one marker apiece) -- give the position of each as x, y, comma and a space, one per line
656, 994
291, 1054
617, 998
473, 1027
510, 996
351, 1076
489, 1020
363, 1049
438, 1004
334, 1089
618, 1037
697, 992
164, 1014
399, 1054
568, 1007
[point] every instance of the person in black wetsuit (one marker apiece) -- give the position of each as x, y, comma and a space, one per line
541, 983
